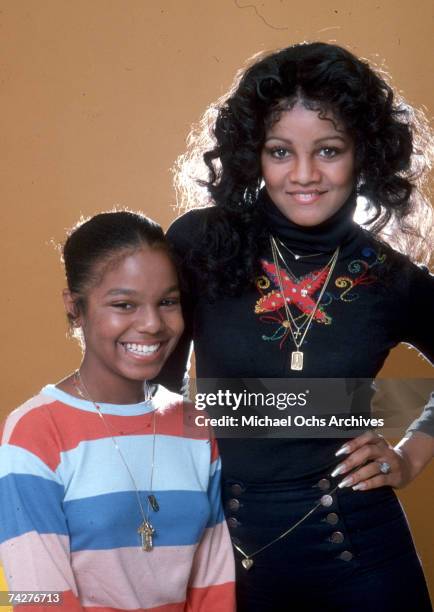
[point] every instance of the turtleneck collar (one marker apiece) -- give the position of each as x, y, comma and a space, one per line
338, 230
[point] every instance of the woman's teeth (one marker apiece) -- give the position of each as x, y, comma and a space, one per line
141, 349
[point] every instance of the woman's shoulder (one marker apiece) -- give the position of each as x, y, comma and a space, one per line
184, 232
396, 266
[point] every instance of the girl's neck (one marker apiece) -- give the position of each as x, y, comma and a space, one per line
102, 388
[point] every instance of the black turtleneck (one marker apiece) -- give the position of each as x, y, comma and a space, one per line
339, 230
368, 313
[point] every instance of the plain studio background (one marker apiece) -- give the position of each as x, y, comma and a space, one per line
97, 99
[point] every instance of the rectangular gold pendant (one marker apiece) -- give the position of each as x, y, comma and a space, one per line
296, 360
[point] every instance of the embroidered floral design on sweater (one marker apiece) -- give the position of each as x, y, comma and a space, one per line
300, 292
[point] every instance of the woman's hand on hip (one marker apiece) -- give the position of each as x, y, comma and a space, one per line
371, 462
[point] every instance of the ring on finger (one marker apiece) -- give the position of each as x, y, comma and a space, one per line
385, 468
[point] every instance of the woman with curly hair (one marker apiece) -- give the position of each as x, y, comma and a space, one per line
283, 283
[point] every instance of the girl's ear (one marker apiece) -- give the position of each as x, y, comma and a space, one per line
71, 308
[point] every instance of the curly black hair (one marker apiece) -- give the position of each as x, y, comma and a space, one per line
392, 144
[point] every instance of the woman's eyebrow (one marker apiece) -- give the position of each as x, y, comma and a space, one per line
317, 141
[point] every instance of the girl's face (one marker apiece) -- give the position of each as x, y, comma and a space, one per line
131, 323
308, 165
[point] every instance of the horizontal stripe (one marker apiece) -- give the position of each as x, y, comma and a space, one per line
48, 429
219, 598
142, 584
214, 496
147, 580
30, 503
15, 416
176, 607
212, 564
17, 460
34, 562
111, 521
95, 468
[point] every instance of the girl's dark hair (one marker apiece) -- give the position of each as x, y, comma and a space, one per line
101, 240
392, 144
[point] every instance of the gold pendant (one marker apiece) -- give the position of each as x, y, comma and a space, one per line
296, 360
247, 563
146, 532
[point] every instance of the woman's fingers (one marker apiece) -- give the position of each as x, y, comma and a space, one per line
369, 437
367, 447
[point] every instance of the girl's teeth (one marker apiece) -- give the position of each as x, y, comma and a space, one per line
141, 349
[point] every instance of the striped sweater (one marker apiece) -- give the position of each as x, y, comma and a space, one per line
69, 512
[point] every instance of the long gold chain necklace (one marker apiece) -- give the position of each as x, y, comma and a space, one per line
247, 561
297, 356
145, 530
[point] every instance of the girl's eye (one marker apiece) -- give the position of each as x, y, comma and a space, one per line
329, 152
123, 305
173, 301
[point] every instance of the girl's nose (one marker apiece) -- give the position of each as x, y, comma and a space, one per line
149, 321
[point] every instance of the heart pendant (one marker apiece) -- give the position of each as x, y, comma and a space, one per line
247, 563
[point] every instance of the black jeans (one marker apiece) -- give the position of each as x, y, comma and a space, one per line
355, 555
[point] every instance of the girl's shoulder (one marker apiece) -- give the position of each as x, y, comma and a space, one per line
29, 416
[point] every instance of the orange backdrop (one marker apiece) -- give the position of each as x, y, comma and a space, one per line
97, 100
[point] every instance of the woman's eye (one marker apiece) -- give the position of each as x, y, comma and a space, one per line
278, 152
328, 152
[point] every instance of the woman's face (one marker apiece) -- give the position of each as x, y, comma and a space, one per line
308, 165
131, 323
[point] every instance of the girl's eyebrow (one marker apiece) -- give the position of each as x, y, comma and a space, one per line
124, 291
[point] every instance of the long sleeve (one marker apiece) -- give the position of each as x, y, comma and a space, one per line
425, 422
420, 334
212, 587
34, 540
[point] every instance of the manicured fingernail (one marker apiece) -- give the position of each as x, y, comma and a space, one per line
342, 451
338, 470
359, 487
346, 482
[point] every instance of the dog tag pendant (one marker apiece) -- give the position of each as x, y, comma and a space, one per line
154, 504
296, 360
247, 563
146, 531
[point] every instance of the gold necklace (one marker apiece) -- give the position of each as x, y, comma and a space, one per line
297, 356
247, 562
145, 529
295, 256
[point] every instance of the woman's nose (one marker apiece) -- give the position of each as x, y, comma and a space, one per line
304, 171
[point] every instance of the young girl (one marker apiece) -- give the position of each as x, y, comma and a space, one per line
109, 498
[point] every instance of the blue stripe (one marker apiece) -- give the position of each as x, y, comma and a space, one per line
96, 468
18, 460
111, 521
214, 496
30, 503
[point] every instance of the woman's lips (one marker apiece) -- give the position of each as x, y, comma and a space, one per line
306, 197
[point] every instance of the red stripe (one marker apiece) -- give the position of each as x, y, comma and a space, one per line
50, 429
217, 598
